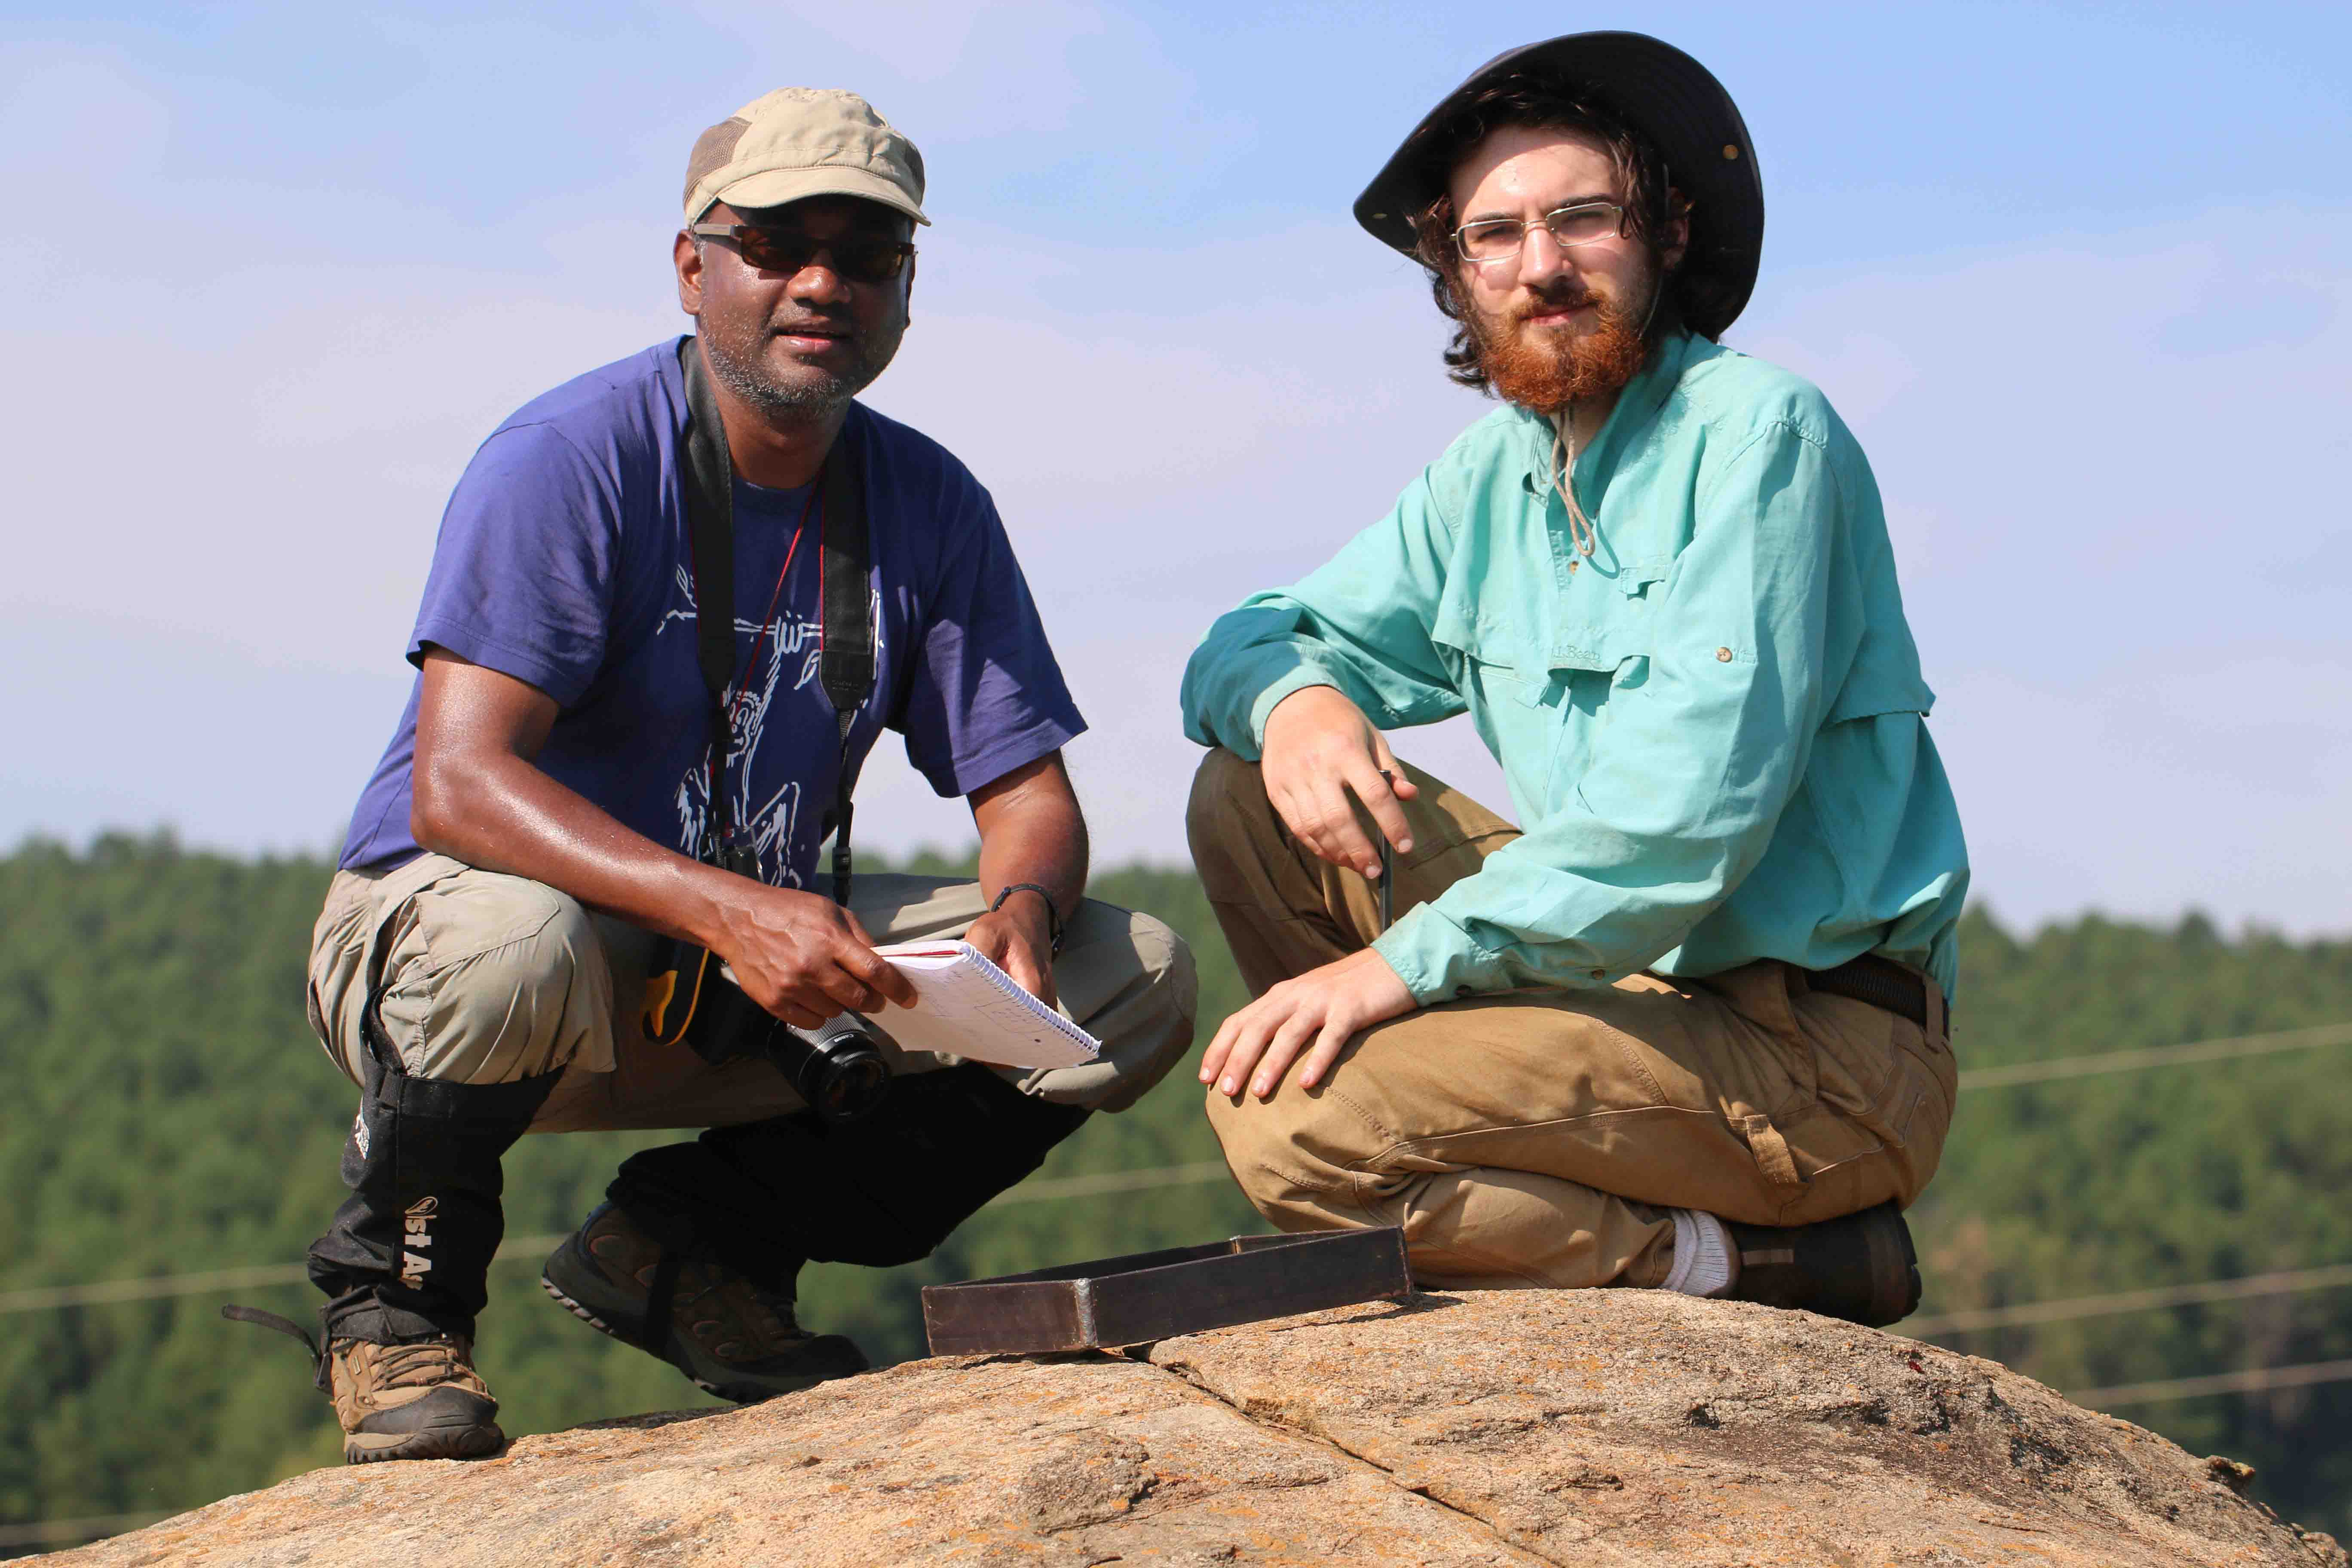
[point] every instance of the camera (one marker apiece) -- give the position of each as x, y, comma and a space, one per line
837, 1067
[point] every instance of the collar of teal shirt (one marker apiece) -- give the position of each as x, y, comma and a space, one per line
1637, 404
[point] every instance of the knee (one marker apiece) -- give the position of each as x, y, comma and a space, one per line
1294, 1144
1130, 980
1224, 786
1228, 806
1171, 982
509, 981
1255, 1138
1238, 1136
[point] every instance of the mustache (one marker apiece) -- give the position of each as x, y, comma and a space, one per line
1556, 299
826, 326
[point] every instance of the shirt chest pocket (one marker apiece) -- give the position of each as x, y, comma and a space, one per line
1593, 634
1601, 652
1605, 621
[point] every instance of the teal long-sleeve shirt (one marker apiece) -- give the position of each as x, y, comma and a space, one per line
1713, 726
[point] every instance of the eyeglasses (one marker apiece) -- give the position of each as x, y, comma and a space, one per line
859, 258
1501, 239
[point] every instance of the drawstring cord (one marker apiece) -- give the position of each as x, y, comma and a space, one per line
1581, 530
1563, 480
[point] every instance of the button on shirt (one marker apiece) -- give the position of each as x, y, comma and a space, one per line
1713, 726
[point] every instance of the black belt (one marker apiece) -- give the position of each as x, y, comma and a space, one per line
1881, 982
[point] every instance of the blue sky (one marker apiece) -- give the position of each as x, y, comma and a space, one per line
2074, 274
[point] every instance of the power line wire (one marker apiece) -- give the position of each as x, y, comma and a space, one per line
2159, 1057
533, 1247
2257, 1380
1972, 1319
73, 1531
53, 1296
1112, 1181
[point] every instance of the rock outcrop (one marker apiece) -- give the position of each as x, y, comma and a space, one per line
1522, 1427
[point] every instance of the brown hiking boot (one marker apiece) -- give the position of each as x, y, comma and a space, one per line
733, 1337
420, 1401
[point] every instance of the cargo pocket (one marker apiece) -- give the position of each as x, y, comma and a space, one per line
1879, 1068
1879, 1085
338, 960
1763, 1072
1920, 1101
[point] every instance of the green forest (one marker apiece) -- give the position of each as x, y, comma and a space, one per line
172, 1114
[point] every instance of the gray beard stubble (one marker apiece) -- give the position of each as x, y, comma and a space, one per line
800, 401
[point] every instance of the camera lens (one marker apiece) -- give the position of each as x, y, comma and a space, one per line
845, 1089
836, 1066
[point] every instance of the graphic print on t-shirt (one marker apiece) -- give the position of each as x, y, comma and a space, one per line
562, 562
769, 827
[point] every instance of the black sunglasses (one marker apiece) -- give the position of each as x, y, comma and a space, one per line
861, 259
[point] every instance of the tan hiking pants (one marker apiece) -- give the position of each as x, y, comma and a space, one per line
1536, 1137
487, 978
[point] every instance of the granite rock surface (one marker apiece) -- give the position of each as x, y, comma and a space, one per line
1511, 1427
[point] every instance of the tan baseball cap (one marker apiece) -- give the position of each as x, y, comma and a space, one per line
800, 142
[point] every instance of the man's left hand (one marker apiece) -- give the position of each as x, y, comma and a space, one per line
1326, 1006
1018, 941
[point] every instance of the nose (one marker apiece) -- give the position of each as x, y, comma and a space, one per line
1542, 257
818, 283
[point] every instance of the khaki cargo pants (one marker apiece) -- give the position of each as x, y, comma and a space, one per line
488, 978
1536, 1138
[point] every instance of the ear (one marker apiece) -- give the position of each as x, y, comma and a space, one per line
1674, 241
686, 256
907, 303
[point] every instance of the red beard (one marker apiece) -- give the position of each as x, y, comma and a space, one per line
1547, 371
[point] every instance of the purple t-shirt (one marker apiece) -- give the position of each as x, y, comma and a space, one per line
563, 561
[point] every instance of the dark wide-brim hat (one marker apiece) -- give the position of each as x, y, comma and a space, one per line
1665, 97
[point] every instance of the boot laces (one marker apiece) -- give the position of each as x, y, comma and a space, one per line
427, 1363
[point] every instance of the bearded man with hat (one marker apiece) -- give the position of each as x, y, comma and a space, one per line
1686, 1027
674, 604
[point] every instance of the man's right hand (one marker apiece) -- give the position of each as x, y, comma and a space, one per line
1319, 752
480, 798
802, 956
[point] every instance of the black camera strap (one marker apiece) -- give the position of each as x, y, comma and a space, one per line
845, 629
845, 639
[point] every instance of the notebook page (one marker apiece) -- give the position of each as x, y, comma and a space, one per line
966, 1007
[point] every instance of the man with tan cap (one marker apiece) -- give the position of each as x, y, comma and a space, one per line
673, 604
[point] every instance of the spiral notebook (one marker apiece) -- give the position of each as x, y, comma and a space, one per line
966, 1007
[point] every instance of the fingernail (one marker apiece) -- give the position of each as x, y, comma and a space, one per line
1404, 846
1227, 1086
